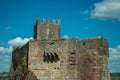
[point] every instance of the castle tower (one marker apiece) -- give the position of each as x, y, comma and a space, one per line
47, 30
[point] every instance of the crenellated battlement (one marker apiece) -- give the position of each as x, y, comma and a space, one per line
47, 29
47, 22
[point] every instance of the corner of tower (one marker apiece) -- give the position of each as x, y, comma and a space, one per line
37, 22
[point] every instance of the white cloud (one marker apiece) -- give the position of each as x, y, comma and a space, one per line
115, 53
114, 59
6, 66
65, 36
5, 61
85, 12
5, 50
18, 41
107, 9
7, 58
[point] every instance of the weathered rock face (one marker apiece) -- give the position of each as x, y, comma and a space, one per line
48, 57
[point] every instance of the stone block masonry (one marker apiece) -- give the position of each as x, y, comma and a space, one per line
50, 57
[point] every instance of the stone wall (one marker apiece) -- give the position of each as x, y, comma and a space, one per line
19, 62
93, 59
53, 60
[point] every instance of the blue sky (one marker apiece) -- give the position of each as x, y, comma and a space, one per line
79, 18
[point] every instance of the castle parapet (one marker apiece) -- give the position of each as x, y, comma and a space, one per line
47, 29
48, 22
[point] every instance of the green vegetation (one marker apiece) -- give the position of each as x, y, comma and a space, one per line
115, 74
24, 63
4, 76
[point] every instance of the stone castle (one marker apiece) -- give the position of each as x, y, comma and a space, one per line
50, 57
